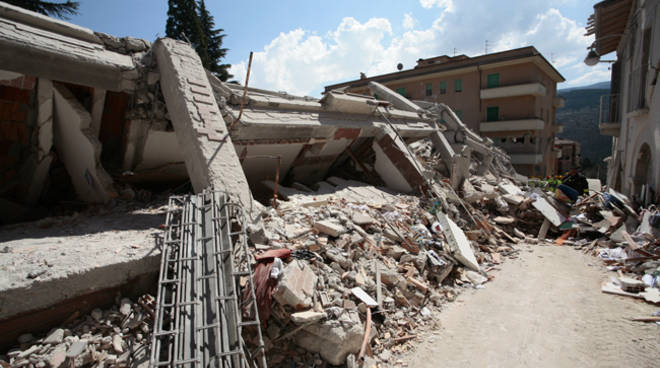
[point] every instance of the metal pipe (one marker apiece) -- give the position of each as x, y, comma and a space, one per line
367, 332
245, 88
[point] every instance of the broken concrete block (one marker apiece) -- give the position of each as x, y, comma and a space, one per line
459, 245
308, 316
296, 286
361, 218
208, 151
548, 211
57, 356
333, 340
79, 149
504, 220
330, 228
55, 337
76, 348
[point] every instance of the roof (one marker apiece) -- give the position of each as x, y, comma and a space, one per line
446, 63
607, 24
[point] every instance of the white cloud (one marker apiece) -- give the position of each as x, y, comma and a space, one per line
447, 4
302, 61
408, 21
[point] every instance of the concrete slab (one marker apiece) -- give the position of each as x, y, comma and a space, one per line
459, 245
207, 149
549, 212
79, 149
60, 258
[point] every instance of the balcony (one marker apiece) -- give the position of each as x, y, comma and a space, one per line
526, 159
528, 89
511, 125
609, 120
558, 102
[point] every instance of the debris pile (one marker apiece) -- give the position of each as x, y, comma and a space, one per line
116, 337
351, 257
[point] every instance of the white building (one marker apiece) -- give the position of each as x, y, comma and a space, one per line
631, 114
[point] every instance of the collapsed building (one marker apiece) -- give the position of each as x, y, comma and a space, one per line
340, 198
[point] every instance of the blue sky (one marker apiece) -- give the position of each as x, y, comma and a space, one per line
301, 46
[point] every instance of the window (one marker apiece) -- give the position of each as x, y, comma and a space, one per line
458, 84
401, 91
443, 87
493, 80
429, 89
493, 113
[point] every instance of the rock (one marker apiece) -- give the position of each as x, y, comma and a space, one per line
504, 220
76, 348
57, 356
361, 218
117, 344
125, 306
475, 277
385, 355
330, 228
301, 318
26, 353
396, 252
335, 255
25, 338
296, 286
55, 337
332, 339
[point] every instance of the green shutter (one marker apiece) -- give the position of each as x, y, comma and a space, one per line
493, 80
493, 113
443, 87
401, 91
459, 113
429, 89
376, 95
459, 85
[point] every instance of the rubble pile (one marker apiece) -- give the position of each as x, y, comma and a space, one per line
115, 337
349, 247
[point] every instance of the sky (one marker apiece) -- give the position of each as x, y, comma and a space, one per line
301, 46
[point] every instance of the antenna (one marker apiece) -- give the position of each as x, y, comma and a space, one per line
486, 47
552, 57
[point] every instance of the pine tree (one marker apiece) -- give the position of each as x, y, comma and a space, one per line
212, 49
183, 22
56, 9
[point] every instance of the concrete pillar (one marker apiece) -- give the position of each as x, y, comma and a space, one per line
41, 158
98, 103
209, 154
394, 164
79, 149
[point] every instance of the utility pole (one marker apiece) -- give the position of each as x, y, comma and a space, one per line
486, 47
454, 51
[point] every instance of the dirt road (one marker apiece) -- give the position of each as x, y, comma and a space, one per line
544, 309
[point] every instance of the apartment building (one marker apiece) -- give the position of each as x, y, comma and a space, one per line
509, 96
631, 114
569, 154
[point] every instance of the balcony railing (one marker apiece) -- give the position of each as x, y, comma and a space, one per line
610, 109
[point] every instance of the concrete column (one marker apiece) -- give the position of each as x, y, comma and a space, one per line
209, 154
40, 160
395, 165
79, 149
98, 103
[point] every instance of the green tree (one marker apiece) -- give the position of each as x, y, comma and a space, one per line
183, 22
212, 51
52, 8
189, 20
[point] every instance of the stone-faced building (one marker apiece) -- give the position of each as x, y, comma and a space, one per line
631, 114
509, 96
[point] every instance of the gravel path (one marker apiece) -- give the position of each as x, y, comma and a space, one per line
544, 309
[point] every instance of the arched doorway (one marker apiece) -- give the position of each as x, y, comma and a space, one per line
643, 168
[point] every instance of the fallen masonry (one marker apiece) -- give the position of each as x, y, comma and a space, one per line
322, 231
